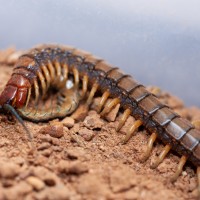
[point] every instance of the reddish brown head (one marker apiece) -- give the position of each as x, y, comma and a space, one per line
14, 96
15, 92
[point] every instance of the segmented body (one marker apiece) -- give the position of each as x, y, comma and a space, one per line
42, 67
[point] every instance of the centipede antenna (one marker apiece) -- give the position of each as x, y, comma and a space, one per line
20, 120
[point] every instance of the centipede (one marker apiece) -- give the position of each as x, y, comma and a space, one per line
55, 66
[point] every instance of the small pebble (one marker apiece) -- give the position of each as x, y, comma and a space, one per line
35, 182
61, 192
57, 148
47, 152
55, 129
74, 167
45, 138
102, 148
47, 176
73, 153
55, 141
86, 134
40, 159
77, 139
25, 174
77, 168
93, 121
80, 113
68, 122
18, 191
111, 116
77, 153
9, 169
76, 128
44, 145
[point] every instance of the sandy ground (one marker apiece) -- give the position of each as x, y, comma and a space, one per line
84, 159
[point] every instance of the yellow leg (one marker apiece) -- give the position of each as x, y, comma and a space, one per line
28, 97
161, 156
103, 100
58, 78
109, 107
196, 123
52, 70
76, 76
179, 169
133, 128
46, 74
92, 93
149, 147
123, 118
36, 91
42, 81
156, 91
65, 72
58, 68
85, 85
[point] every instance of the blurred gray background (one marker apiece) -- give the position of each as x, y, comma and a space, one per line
156, 41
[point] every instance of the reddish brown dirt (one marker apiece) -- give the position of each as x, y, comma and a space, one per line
85, 160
